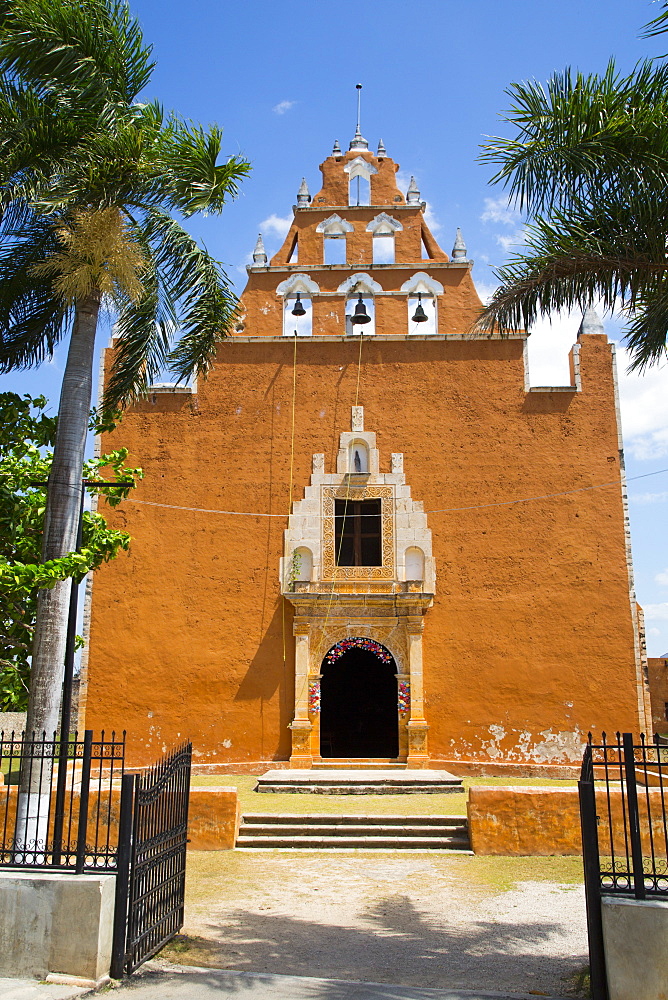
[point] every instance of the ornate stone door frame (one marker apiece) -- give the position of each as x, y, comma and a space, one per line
395, 621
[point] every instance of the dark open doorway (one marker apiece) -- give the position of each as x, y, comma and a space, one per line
359, 702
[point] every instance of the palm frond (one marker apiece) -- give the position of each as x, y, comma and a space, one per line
92, 47
187, 158
658, 25
581, 135
32, 318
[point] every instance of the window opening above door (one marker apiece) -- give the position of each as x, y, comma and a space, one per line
357, 531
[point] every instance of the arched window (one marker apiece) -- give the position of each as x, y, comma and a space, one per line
414, 563
334, 230
422, 292
296, 322
383, 228
360, 290
359, 181
296, 292
360, 305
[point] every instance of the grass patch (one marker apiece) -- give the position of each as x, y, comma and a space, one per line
450, 804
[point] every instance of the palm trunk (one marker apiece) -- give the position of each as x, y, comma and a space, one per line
60, 533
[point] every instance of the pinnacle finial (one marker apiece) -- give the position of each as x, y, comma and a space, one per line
259, 253
359, 142
337, 149
303, 196
591, 322
459, 247
413, 193
382, 152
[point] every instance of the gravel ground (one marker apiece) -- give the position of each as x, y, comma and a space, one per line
411, 918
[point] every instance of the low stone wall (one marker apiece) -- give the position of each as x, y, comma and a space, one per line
214, 816
12, 722
525, 820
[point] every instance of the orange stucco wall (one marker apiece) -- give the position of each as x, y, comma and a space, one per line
530, 635
531, 640
541, 821
657, 667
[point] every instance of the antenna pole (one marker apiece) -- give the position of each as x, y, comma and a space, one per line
358, 87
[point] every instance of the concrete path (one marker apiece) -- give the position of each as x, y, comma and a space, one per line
30, 989
188, 983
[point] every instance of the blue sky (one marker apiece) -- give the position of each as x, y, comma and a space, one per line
280, 75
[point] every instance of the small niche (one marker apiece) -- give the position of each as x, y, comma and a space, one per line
358, 458
414, 564
302, 565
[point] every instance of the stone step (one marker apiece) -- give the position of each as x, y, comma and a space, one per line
344, 781
359, 842
360, 830
310, 819
357, 764
262, 830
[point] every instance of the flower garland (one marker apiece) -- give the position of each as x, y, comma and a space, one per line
404, 698
357, 642
314, 697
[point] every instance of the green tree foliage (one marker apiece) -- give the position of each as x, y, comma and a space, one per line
26, 438
94, 184
588, 164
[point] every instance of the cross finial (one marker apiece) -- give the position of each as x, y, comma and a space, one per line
359, 142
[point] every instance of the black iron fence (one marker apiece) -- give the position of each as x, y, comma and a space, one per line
150, 885
59, 802
623, 789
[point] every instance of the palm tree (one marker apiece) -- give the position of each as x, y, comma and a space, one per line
589, 167
90, 183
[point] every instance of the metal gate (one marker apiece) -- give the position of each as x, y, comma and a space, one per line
150, 885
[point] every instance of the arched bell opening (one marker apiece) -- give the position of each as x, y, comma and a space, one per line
358, 714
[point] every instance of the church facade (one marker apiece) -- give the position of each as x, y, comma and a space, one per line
365, 536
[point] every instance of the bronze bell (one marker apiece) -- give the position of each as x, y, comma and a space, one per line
360, 315
299, 308
420, 315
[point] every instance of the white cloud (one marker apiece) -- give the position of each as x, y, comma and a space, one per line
431, 220
653, 631
276, 225
656, 612
648, 498
512, 241
485, 291
644, 404
662, 578
282, 107
498, 210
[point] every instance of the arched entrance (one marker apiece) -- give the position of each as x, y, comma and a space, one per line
358, 715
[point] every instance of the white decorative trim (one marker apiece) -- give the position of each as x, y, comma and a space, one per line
384, 222
310, 523
359, 168
298, 283
334, 226
422, 282
360, 282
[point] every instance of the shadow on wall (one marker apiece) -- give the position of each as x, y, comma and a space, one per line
268, 675
400, 945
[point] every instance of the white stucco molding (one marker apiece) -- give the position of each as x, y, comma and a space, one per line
298, 283
422, 282
360, 282
334, 226
359, 167
384, 225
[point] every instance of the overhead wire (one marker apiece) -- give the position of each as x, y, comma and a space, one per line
440, 510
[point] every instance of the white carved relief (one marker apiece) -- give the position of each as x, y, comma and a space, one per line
406, 537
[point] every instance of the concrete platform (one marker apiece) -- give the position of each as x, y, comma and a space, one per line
359, 782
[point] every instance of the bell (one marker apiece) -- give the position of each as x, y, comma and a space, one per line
420, 315
360, 315
299, 308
